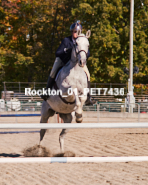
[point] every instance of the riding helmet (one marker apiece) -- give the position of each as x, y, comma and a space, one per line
76, 26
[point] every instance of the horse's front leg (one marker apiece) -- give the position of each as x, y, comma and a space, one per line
79, 103
46, 112
67, 118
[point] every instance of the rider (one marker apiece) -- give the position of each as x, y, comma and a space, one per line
63, 55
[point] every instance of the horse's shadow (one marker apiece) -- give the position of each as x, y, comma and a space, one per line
9, 155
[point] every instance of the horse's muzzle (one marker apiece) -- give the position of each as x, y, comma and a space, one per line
82, 63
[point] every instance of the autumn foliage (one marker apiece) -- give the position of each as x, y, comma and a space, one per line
31, 31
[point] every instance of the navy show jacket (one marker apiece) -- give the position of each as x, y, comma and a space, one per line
66, 43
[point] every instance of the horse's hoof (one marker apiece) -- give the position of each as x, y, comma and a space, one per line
78, 116
79, 121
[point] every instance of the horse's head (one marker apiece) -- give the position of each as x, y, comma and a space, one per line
81, 48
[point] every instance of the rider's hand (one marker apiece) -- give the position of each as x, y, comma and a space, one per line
67, 50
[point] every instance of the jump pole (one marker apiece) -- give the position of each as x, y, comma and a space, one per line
74, 159
19, 115
72, 125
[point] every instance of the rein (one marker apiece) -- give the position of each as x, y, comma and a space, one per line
78, 53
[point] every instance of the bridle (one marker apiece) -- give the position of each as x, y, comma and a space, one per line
77, 53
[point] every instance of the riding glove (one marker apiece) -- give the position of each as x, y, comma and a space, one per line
67, 50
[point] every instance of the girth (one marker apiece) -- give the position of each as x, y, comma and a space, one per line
56, 88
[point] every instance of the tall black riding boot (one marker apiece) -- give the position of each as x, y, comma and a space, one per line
90, 100
50, 83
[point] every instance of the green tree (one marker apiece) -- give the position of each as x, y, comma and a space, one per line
109, 44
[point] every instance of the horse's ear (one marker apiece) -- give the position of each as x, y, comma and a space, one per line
88, 33
78, 32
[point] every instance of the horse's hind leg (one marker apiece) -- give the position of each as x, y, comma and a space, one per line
67, 118
46, 112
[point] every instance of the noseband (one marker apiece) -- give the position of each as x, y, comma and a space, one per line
81, 51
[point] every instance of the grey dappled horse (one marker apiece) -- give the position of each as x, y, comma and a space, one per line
71, 76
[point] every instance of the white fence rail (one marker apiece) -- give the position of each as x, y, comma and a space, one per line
73, 125
140, 110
